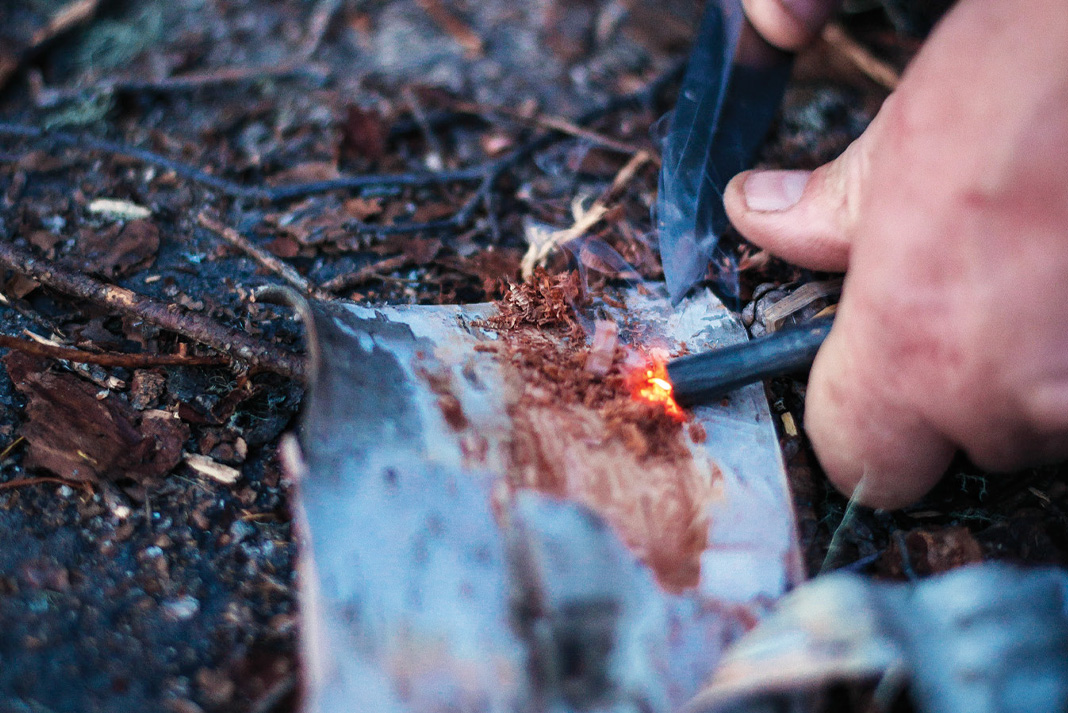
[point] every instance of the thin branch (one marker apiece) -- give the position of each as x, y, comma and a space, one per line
69, 16
374, 271
270, 194
486, 174
10, 448
198, 328
585, 220
130, 361
44, 479
436, 152
284, 270
45, 97
272, 698
875, 69
555, 123
460, 31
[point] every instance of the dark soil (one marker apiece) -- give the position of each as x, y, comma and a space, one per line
130, 583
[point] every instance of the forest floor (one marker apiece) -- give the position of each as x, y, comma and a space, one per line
161, 161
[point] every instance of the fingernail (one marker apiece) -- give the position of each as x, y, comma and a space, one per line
774, 191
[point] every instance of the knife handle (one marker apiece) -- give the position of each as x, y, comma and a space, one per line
700, 378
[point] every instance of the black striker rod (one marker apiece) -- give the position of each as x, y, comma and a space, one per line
700, 378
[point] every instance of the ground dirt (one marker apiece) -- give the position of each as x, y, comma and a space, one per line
148, 563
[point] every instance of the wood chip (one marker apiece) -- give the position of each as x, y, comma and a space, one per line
118, 209
77, 435
602, 347
212, 469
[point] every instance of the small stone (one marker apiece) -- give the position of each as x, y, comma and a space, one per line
215, 686
118, 209
181, 609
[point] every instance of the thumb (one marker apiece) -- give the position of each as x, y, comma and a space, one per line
871, 443
804, 217
789, 24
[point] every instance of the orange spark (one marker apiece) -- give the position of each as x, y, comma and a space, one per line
651, 384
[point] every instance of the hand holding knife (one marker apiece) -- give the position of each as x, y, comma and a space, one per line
730, 94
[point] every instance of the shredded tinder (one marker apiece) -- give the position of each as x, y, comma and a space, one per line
594, 436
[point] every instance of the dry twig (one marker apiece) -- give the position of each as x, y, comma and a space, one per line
130, 361
877, 70
270, 194
46, 97
374, 271
198, 328
554, 123
584, 219
66, 18
44, 479
486, 175
284, 270
457, 28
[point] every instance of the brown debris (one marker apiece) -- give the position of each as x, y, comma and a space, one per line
603, 347
452, 24
22, 31
76, 434
449, 405
119, 250
543, 301
925, 552
363, 136
584, 435
146, 388
196, 327
131, 361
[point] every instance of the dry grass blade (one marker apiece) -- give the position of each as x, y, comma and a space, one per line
540, 249
880, 72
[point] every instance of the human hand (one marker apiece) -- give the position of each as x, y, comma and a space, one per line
950, 217
789, 24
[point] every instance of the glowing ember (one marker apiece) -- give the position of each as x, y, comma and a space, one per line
651, 384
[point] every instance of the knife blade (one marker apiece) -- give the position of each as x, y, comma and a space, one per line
729, 96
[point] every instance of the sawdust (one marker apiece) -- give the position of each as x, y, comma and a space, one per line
582, 435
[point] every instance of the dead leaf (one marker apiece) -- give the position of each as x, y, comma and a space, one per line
931, 551
19, 286
76, 435
45, 241
119, 250
363, 135
284, 247
362, 208
305, 173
